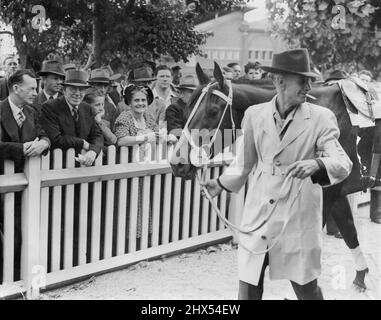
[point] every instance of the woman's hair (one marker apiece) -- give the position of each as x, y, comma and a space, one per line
251, 65
131, 89
91, 95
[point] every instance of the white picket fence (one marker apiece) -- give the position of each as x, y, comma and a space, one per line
77, 222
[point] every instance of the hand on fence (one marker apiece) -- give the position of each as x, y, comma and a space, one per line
90, 157
171, 139
87, 159
212, 186
151, 137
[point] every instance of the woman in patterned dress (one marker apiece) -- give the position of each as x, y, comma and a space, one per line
135, 126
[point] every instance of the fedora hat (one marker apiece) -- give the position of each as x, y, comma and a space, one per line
100, 76
336, 75
144, 73
187, 82
69, 66
51, 67
113, 76
77, 78
294, 61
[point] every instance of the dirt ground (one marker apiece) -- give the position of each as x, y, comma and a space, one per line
212, 274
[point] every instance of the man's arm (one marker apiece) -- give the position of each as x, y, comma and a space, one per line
95, 138
173, 118
336, 162
236, 174
50, 123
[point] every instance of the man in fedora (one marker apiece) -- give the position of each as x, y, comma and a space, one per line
69, 121
52, 76
176, 114
293, 147
100, 79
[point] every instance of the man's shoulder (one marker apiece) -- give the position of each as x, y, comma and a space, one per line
55, 104
257, 109
319, 111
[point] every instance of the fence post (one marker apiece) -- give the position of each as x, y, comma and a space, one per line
235, 209
30, 270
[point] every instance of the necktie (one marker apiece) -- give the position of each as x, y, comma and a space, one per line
20, 118
75, 113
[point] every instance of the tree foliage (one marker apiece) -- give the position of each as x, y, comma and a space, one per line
127, 29
333, 38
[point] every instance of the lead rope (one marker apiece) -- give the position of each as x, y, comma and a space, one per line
234, 228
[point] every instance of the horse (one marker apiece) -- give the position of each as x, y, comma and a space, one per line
212, 108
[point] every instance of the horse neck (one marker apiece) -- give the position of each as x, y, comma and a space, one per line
246, 95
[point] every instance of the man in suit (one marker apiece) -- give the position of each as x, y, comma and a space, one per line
52, 78
176, 114
21, 136
293, 147
11, 65
100, 79
69, 121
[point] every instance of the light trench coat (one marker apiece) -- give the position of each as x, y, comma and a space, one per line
313, 133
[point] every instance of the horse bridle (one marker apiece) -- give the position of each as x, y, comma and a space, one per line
198, 155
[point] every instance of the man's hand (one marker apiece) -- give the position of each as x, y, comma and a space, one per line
26, 146
303, 169
89, 158
86, 145
150, 137
98, 117
213, 188
37, 148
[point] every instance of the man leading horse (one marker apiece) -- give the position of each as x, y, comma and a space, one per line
294, 148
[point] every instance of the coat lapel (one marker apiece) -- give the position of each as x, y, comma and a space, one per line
296, 127
9, 122
269, 122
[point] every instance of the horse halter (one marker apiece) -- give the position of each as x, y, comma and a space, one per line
198, 155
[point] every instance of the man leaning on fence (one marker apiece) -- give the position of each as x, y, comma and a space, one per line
21, 136
69, 121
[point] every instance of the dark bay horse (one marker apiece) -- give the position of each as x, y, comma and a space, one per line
211, 110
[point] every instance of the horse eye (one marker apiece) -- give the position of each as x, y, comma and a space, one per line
212, 111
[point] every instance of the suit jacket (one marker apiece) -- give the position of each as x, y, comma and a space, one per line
4, 92
40, 100
115, 96
12, 137
297, 204
176, 116
57, 120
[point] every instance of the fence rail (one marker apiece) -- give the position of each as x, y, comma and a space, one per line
76, 221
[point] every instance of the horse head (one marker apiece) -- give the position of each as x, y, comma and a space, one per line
208, 109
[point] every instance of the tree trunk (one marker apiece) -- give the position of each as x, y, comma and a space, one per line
20, 46
97, 35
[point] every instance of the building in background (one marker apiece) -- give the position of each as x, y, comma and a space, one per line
235, 39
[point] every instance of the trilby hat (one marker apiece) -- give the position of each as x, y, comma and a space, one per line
294, 61
51, 67
76, 78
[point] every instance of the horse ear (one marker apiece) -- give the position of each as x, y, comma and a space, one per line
202, 77
218, 75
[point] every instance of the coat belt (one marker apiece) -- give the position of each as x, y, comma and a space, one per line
272, 168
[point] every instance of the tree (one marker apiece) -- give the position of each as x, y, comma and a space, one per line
335, 32
128, 29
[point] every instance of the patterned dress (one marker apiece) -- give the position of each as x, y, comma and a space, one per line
126, 125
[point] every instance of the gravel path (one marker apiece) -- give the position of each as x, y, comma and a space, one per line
212, 274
